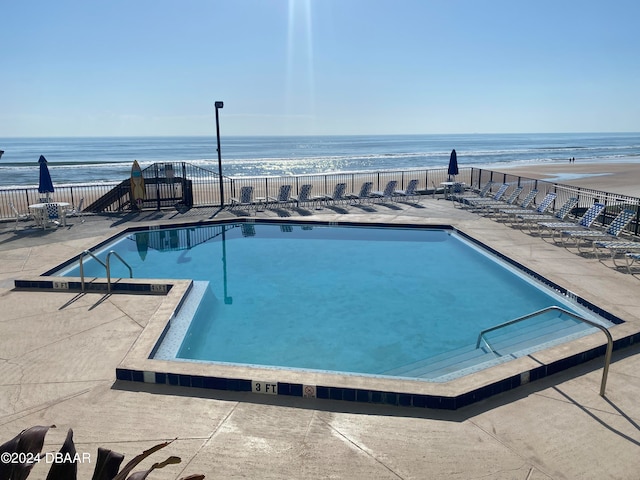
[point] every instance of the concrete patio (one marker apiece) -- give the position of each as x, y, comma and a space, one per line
59, 352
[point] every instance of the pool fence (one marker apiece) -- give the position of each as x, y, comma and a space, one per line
182, 185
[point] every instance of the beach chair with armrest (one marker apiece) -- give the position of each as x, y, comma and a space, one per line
463, 196
363, 195
304, 196
245, 200
338, 195
495, 199
410, 192
616, 248
580, 237
387, 193
540, 210
283, 198
490, 206
532, 220
585, 222
632, 258
523, 207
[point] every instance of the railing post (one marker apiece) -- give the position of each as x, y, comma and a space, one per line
635, 230
157, 175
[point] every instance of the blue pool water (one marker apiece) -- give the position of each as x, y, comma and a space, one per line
349, 299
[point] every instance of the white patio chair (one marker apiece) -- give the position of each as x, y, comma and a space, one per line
77, 211
19, 216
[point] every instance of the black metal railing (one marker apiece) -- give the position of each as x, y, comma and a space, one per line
171, 184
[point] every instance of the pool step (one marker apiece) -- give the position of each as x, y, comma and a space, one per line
541, 335
444, 363
505, 346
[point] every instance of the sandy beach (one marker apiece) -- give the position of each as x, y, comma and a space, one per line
622, 178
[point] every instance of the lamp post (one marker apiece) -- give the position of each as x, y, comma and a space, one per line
219, 105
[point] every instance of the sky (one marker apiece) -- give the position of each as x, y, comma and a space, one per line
318, 67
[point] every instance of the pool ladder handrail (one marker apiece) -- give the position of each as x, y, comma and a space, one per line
106, 265
607, 356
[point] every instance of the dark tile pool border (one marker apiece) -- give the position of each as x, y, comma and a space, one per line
362, 395
143, 288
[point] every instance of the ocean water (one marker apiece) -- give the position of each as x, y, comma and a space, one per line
108, 159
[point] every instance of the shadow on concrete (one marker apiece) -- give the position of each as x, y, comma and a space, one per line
593, 414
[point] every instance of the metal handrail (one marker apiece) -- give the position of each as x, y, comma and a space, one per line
607, 356
108, 266
82, 255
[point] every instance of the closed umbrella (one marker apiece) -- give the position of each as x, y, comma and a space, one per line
45, 185
453, 164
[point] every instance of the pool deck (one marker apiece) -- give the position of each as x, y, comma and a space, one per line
59, 352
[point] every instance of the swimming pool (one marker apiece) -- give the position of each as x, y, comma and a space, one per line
399, 302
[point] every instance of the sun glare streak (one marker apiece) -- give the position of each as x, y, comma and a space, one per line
310, 72
289, 80
300, 75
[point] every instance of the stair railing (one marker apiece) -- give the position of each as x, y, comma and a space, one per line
106, 265
607, 356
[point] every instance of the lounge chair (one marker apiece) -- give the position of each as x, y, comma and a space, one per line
584, 223
364, 194
486, 204
304, 196
532, 220
496, 197
632, 258
463, 196
338, 194
245, 200
524, 205
616, 248
540, 210
19, 216
490, 206
410, 192
283, 198
387, 192
580, 237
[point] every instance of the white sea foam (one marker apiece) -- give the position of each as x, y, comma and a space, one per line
104, 160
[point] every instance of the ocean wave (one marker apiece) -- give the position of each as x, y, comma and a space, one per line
107, 160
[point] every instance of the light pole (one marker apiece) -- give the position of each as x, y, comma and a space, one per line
219, 105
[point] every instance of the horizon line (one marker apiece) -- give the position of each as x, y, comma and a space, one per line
324, 135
